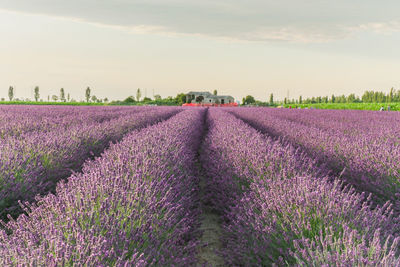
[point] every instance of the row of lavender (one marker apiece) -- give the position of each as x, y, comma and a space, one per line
278, 208
134, 206
32, 163
17, 121
363, 147
342, 121
138, 204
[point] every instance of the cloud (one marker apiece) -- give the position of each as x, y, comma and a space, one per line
378, 27
302, 21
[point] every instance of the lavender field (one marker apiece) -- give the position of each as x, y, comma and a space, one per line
174, 186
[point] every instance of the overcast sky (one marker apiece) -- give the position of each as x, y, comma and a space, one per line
257, 47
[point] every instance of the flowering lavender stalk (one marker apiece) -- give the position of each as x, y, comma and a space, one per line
277, 211
33, 163
134, 206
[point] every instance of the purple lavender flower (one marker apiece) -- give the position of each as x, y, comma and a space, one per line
280, 207
134, 206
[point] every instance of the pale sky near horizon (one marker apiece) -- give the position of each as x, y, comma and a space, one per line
239, 47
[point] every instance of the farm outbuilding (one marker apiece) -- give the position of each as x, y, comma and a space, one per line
206, 98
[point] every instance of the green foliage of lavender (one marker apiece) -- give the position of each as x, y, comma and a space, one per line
280, 208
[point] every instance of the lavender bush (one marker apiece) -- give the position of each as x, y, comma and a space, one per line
34, 162
134, 206
360, 146
280, 210
21, 120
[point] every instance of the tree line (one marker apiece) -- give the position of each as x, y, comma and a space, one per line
368, 97
62, 97
90, 98
179, 99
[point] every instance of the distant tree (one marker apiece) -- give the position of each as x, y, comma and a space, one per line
189, 98
105, 100
300, 100
215, 92
367, 97
87, 94
37, 95
199, 99
380, 97
249, 100
180, 98
54, 97
11, 93
3, 99
48, 98
129, 99
271, 99
397, 96
371, 96
157, 97
68, 97
375, 97
333, 98
285, 101
147, 99
138, 94
391, 95
62, 95
94, 98
351, 98
341, 99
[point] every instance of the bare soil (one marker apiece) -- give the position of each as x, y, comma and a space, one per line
211, 238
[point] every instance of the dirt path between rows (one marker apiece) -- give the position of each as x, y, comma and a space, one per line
210, 241
211, 238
